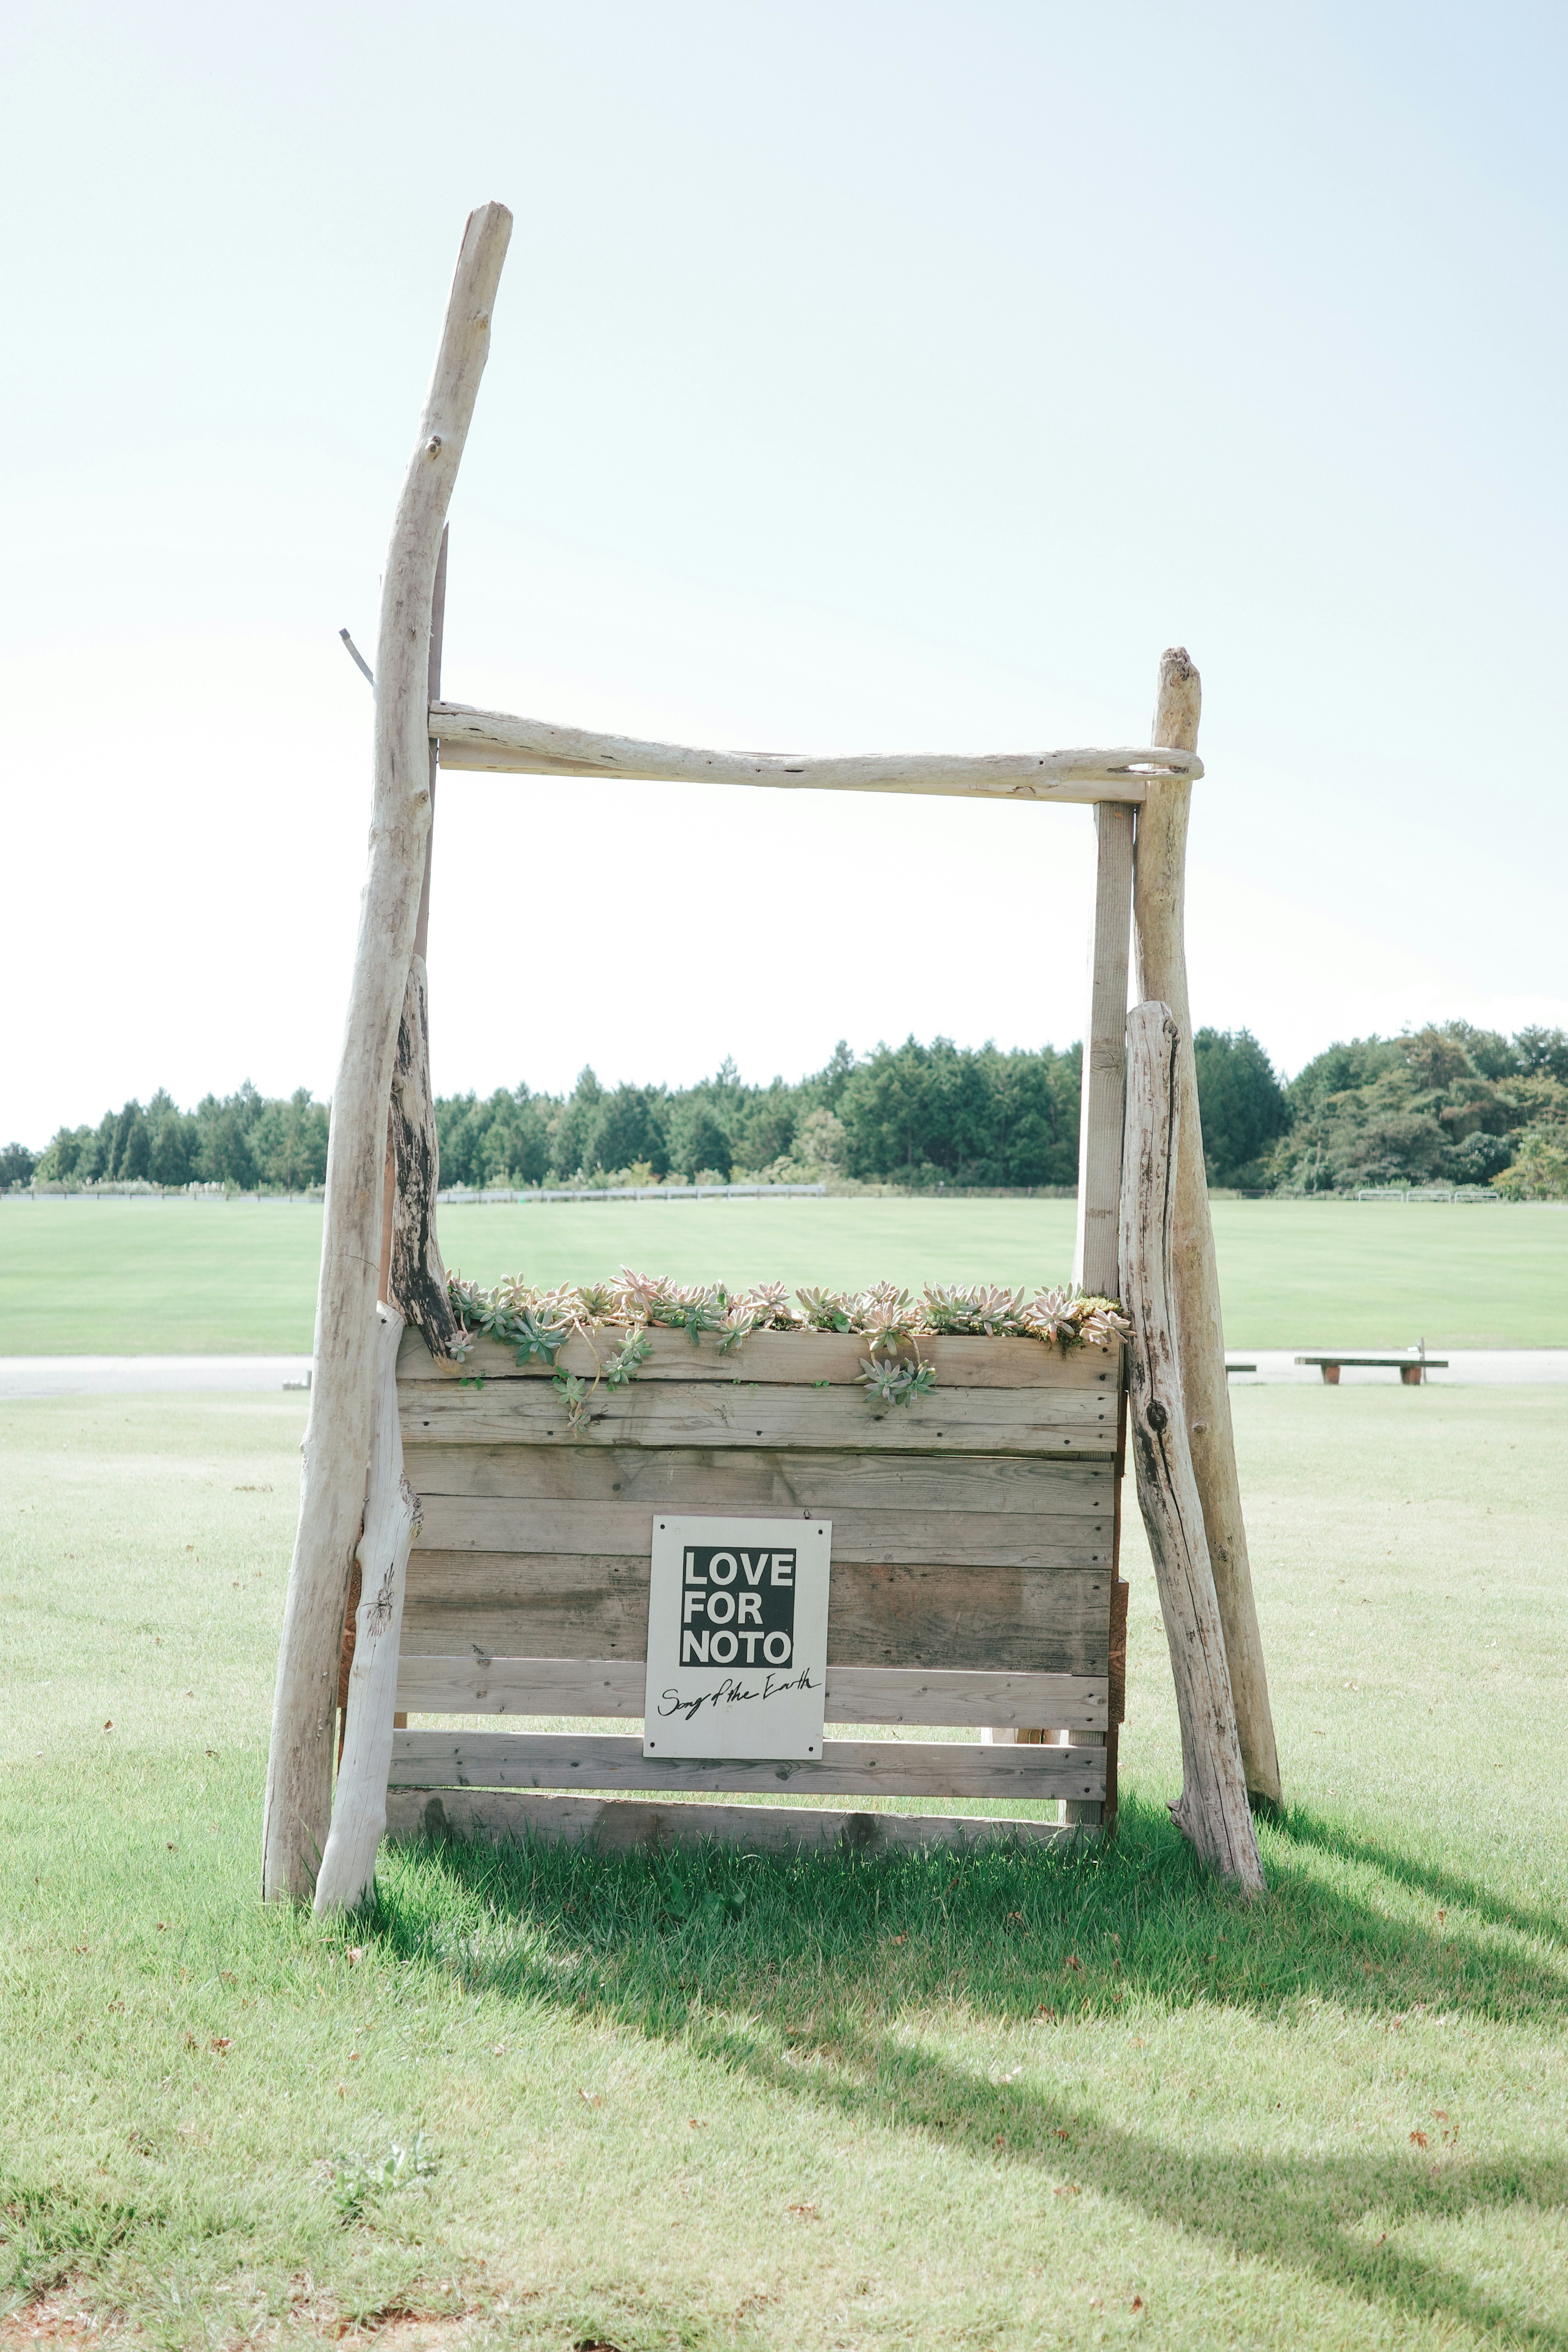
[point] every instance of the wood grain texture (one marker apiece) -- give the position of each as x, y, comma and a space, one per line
1100, 1099
337, 1444
793, 1359
1213, 1809
927, 1538
817, 1485
897, 1767
714, 1414
556, 1605
875, 1695
1160, 920
621, 1825
416, 1276
390, 1516
500, 743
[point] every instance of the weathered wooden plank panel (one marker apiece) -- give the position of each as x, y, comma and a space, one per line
690, 1478
1004, 1539
622, 1825
693, 1412
906, 1768
561, 1605
795, 1359
610, 1686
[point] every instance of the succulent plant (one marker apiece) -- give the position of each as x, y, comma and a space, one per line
1069, 1317
976, 1308
887, 1316
824, 1310
895, 1380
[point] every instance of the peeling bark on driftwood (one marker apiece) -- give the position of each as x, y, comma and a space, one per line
419, 1277
1213, 1810
391, 1519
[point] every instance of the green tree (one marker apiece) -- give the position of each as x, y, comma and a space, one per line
287, 1143
17, 1166
224, 1129
1545, 1051
945, 1114
571, 1128
627, 1126
1241, 1102
697, 1136
1540, 1169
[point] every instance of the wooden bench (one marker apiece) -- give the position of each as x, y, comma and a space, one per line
1412, 1369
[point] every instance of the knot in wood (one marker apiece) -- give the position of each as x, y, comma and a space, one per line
433, 446
1156, 1416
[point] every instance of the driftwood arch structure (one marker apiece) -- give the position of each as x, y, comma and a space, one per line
1017, 1480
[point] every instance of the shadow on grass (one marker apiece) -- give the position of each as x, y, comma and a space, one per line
803, 1974
1302, 1827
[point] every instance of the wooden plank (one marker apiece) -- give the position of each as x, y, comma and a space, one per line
784, 1359
695, 1412
555, 1606
1002, 1539
1104, 1057
498, 742
471, 1686
614, 1687
618, 1825
688, 1478
900, 1768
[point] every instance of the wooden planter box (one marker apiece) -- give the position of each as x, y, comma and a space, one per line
974, 1583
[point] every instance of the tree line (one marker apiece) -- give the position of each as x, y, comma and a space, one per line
242, 1142
1449, 1103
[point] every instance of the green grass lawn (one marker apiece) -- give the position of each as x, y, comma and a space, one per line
134, 1277
1015, 2101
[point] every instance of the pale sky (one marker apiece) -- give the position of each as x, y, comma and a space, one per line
867, 375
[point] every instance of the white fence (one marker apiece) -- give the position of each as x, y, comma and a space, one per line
462, 1196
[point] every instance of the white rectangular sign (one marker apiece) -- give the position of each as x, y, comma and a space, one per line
737, 1637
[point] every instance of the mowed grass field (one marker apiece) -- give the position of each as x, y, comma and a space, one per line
156, 1277
1014, 2101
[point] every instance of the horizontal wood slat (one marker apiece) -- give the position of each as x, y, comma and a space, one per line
714, 1414
612, 1687
1002, 1540
552, 1604
795, 1359
621, 1825
909, 1768
690, 1478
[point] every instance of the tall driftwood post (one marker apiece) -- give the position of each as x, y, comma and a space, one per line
1159, 897
338, 1438
1213, 1809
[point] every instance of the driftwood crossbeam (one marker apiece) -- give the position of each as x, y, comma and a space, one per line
491, 1547
497, 744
